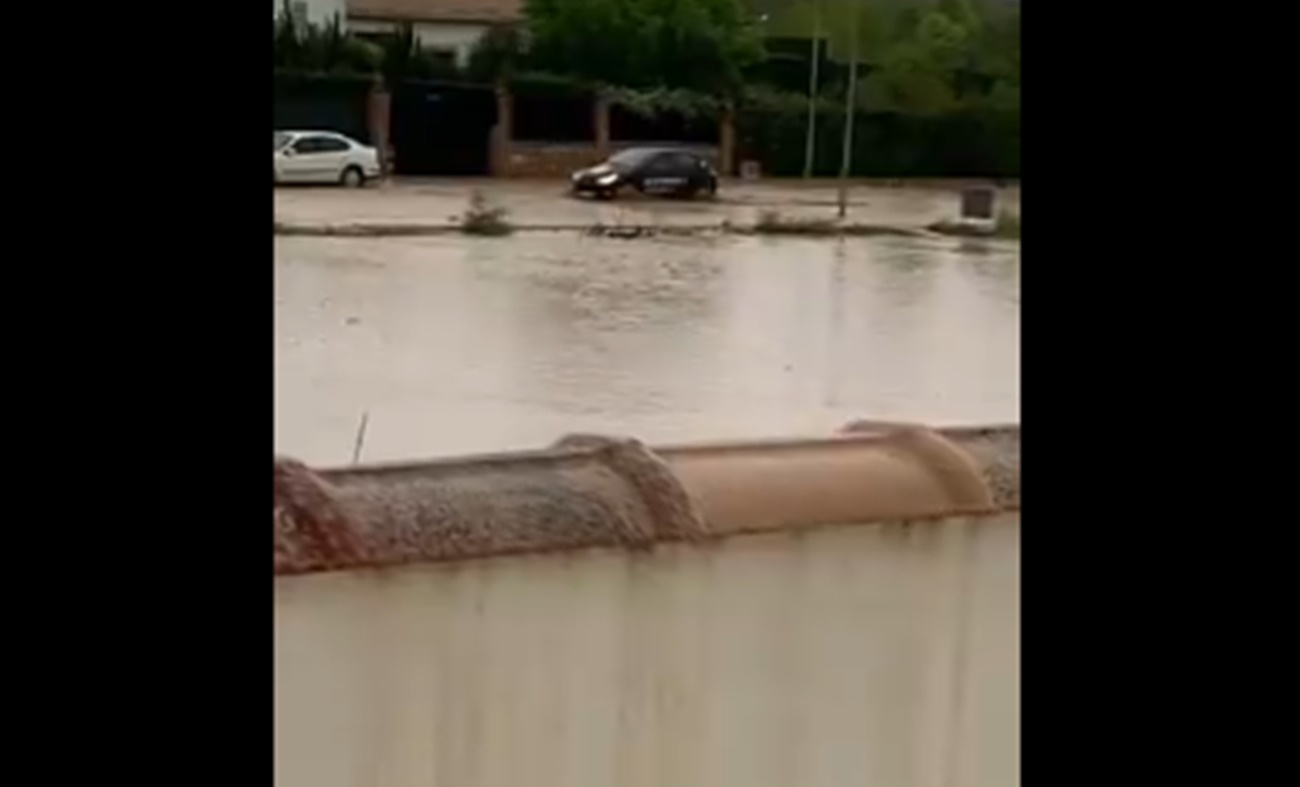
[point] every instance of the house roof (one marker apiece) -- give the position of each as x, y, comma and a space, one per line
438, 10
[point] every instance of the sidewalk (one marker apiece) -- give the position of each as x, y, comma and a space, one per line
430, 206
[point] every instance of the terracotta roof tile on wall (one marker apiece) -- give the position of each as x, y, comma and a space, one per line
591, 491
438, 10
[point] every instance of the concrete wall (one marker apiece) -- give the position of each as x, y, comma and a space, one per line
880, 654
546, 159
318, 11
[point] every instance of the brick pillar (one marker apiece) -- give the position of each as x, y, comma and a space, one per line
727, 141
502, 132
600, 110
379, 107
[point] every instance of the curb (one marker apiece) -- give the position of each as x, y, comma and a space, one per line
625, 231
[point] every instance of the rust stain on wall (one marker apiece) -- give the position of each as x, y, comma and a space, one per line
313, 528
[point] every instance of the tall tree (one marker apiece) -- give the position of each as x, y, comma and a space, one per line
946, 55
699, 44
917, 73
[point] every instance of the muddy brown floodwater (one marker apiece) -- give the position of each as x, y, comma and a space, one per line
455, 345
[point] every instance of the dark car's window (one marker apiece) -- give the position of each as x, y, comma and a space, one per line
663, 164
630, 159
685, 163
332, 145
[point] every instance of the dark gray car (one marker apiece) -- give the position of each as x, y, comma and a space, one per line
665, 172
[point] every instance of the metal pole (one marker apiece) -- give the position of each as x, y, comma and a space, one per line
850, 102
810, 145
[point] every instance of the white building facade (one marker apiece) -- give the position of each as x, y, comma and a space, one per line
447, 27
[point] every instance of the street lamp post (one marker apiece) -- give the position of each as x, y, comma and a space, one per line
850, 103
810, 144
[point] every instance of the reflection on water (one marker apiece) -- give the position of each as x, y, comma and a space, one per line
461, 345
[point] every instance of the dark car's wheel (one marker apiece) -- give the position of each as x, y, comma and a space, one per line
691, 190
353, 178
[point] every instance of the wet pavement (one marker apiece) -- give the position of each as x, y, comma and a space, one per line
545, 203
453, 345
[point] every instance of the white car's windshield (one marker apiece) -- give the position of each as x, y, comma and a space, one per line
281, 139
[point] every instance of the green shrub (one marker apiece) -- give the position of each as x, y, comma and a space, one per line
320, 49
977, 143
771, 222
1007, 225
482, 218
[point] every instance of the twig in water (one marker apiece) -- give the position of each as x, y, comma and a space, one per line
361, 437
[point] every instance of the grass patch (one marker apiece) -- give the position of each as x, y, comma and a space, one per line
483, 218
1008, 225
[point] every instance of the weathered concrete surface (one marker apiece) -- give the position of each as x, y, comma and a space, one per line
883, 655
426, 206
996, 450
614, 492
458, 346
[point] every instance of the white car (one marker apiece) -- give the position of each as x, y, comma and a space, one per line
323, 157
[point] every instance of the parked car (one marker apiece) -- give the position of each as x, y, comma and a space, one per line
323, 157
659, 171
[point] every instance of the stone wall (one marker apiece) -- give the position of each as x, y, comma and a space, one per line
558, 159
547, 159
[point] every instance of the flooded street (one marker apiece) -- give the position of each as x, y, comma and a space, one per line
455, 345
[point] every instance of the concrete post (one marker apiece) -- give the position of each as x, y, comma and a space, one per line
727, 140
600, 110
379, 104
502, 132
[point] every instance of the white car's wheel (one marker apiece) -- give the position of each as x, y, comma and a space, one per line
353, 178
